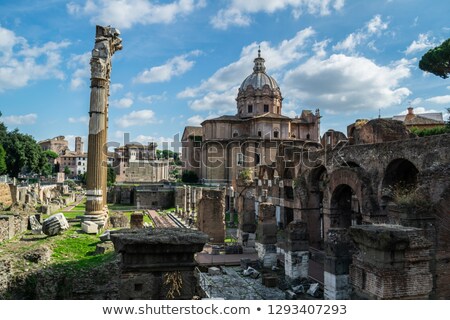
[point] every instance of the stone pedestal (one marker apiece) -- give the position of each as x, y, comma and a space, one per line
158, 263
296, 257
266, 235
338, 255
211, 215
392, 262
136, 221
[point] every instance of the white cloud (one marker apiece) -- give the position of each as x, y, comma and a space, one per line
115, 87
123, 103
238, 12
136, 118
80, 64
173, 67
231, 16
21, 63
421, 44
195, 120
225, 101
83, 119
420, 110
374, 27
126, 13
230, 77
152, 98
20, 119
439, 99
347, 83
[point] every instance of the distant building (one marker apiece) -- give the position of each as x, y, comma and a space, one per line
57, 144
138, 163
421, 120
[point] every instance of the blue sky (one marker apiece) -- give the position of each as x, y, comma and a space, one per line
182, 61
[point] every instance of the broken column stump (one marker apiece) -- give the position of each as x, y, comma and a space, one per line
296, 257
211, 215
338, 256
392, 262
266, 235
158, 263
137, 220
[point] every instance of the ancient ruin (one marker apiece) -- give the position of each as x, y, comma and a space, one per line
107, 42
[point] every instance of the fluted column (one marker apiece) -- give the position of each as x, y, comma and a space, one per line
107, 41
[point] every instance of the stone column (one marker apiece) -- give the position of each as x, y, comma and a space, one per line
107, 42
338, 256
392, 262
266, 235
158, 263
296, 256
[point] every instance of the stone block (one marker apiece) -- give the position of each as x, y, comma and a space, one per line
89, 227
214, 271
269, 280
336, 287
55, 224
137, 220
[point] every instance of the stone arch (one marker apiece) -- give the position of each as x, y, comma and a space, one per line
344, 207
363, 202
312, 210
400, 171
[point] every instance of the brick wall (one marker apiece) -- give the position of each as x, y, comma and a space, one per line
5, 195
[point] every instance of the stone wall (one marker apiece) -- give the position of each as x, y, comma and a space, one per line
12, 224
211, 215
5, 195
154, 199
392, 262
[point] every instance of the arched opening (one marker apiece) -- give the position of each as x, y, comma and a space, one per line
314, 209
345, 208
400, 177
401, 172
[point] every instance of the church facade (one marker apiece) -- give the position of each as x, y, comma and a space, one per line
222, 147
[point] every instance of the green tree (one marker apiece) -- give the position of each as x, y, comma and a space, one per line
23, 154
111, 176
67, 170
189, 177
3, 167
437, 60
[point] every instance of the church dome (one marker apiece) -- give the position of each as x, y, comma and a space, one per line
259, 78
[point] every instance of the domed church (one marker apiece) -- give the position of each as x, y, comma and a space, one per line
219, 149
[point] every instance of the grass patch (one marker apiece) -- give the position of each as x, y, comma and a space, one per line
120, 206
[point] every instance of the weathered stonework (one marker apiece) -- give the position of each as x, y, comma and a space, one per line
296, 256
155, 261
107, 42
338, 250
266, 235
392, 262
211, 215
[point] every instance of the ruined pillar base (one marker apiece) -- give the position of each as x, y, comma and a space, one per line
154, 262
296, 265
246, 239
267, 254
98, 217
393, 262
336, 287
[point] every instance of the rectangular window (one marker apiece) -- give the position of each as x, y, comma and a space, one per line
266, 108
257, 158
250, 108
259, 134
275, 134
240, 159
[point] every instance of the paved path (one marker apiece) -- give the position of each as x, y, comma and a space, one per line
206, 259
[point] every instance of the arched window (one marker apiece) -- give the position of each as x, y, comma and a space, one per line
276, 134
235, 134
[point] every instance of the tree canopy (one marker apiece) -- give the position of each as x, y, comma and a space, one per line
437, 60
